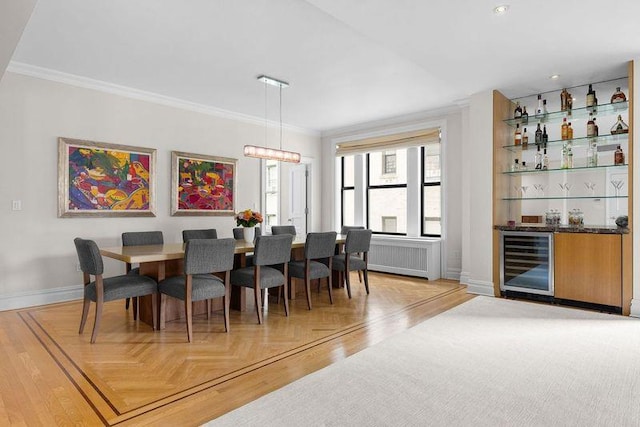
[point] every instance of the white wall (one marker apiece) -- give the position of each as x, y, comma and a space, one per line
477, 252
38, 260
452, 124
635, 302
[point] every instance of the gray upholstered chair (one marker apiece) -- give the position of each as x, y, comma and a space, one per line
209, 233
283, 229
139, 238
270, 251
318, 253
102, 290
358, 241
202, 257
344, 231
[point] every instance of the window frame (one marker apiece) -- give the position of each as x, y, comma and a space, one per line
424, 184
343, 188
369, 187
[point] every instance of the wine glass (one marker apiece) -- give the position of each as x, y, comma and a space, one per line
591, 186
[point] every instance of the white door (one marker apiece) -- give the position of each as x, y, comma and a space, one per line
298, 209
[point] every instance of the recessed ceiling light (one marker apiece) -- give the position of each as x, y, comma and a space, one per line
554, 77
501, 10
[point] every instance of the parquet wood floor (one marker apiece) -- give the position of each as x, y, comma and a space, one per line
133, 376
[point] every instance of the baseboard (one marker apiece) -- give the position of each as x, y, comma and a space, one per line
635, 307
48, 296
401, 271
464, 278
453, 274
480, 287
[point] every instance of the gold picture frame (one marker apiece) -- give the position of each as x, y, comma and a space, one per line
203, 184
99, 179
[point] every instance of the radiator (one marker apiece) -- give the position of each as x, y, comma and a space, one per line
411, 257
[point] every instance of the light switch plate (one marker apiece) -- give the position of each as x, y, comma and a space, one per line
16, 205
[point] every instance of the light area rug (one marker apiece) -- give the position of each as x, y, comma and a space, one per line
487, 362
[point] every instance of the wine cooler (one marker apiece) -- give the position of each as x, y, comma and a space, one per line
526, 262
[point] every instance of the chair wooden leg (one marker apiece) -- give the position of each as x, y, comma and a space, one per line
258, 293
126, 303
346, 276
286, 290
365, 273
329, 281
188, 307
154, 310
96, 324
135, 308
227, 298
264, 296
85, 314
307, 289
360, 276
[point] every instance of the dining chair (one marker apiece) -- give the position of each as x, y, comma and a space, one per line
283, 229
102, 290
139, 238
345, 230
209, 233
318, 253
270, 252
202, 258
358, 241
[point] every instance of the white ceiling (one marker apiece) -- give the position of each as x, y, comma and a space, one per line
348, 62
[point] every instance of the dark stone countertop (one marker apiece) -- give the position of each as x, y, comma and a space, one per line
563, 228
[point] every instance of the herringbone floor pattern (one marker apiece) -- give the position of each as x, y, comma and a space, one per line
135, 376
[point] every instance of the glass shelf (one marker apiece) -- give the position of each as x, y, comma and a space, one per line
576, 113
575, 142
563, 197
578, 169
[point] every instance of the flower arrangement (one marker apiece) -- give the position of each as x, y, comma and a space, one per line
248, 218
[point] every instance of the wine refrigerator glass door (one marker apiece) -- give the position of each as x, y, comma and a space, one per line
526, 262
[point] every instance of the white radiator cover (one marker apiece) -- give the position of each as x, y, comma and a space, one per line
411, 257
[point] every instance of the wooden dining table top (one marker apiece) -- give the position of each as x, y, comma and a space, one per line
171, 251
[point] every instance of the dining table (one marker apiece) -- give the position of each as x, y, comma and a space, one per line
161, 261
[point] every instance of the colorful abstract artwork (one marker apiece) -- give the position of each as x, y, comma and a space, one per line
100, 179
202, 185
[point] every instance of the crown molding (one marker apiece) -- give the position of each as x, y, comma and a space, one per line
128, 92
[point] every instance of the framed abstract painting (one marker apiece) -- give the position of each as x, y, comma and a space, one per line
203, 185
97, 179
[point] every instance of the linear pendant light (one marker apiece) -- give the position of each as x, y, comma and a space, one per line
266, 152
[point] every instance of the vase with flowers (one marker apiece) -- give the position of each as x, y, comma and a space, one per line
248, 219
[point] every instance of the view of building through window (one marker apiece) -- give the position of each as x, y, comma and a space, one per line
386, 193
271, 200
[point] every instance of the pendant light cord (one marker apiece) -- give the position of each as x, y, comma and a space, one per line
265, 114
280, 117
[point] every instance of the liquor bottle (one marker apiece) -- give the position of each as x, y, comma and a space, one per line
591, 97
539, 109
545, 136
564, 97
591, 126
525, 115
545, 159
517, 113
592, 155
595, 127
525, 139
619, 127
538, 159
565, 157
515, 167
618, 96
523, 167
538, 135
569, 157
564, 129
545, 112
618, 157
518, 135
569, 131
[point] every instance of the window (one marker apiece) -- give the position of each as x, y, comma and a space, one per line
387, 194
392, 183
348, 190
389, 162
271, 194
431, 194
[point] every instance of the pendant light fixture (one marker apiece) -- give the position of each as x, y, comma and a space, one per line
266, 152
